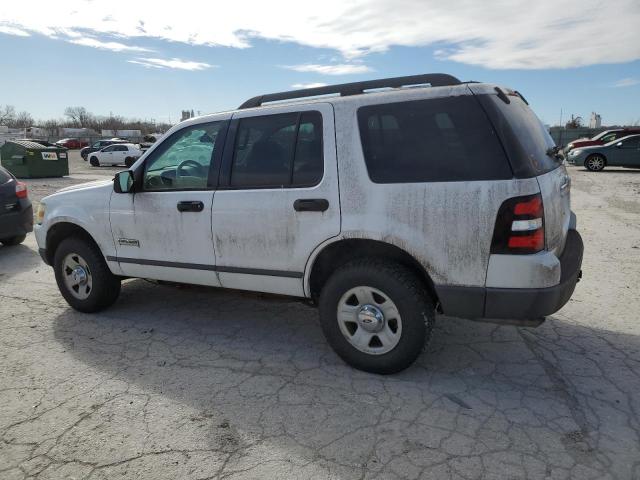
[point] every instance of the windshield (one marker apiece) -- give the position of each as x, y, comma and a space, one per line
600, 135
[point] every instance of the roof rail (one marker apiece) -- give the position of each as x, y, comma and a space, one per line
355, 88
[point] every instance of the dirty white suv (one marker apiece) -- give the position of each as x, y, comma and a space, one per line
380, 203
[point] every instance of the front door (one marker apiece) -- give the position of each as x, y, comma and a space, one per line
278, 196
163, 230
626, 152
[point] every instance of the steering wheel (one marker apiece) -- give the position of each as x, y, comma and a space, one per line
185, 163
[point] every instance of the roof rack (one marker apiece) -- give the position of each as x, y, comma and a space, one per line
355, 88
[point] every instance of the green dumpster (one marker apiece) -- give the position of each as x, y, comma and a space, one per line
27, 159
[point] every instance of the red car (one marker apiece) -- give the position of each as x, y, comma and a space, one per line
602, 138
71, 143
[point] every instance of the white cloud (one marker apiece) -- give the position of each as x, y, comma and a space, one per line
113, 46
308, 85
336, 69
500, 34
174, 63
9, 30
626, 82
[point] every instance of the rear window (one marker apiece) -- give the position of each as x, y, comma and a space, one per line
436, 140
523, 135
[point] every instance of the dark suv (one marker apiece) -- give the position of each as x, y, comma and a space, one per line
16, 212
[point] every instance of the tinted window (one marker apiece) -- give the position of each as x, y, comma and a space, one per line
524, 137
183, 160
119, 148
278, 150
437, 140
109, 149
4, 176
308, 165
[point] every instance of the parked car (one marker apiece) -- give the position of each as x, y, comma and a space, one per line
16, 212
623, 152
71, 143
99, 145
381, 208
602, 138
116, 154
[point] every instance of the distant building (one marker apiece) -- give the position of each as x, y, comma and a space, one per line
186, 115
121, 133
595, 121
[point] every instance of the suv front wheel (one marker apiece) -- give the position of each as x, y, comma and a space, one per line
376, 315
83, 277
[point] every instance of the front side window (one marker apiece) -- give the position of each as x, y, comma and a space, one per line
108, 149
281, 150
184, 159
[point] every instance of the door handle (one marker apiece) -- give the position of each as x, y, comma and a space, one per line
190, 206
311, 205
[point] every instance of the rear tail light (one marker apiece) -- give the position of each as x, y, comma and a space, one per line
21, 190
519, 226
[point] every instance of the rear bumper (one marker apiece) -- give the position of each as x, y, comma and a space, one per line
17, 223
517, 303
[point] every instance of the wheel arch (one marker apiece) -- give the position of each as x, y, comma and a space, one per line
330, 256
61, 230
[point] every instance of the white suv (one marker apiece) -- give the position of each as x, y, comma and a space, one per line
381, 207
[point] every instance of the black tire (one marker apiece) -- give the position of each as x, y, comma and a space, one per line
11, 241
94, 161
406, 291
105, 285
129, 161
595, 162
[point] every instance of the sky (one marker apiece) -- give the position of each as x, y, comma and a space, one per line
150, 60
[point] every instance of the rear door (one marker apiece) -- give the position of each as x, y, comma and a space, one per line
627, 154
278, 197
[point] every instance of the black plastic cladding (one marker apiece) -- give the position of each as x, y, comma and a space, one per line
355, 88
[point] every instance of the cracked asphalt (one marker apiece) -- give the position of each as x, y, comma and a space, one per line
195, 383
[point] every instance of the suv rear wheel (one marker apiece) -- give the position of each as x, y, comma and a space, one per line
595, 163
83, 277
376, 315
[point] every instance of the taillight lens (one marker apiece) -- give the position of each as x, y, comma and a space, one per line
519, 226
21, 190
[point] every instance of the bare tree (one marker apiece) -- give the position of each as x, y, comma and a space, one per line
79, 116
21, 120
575, 122
51, 127
6, 114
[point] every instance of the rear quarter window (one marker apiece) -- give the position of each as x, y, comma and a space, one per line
435, 140
4, 177
523, 135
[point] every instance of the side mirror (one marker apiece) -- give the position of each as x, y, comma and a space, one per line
123, 182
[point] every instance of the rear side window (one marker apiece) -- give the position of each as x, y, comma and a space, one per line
282, 150
4, 177
436, 140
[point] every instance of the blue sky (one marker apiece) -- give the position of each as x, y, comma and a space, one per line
132, 67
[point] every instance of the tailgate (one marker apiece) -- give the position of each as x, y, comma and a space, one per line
555, 188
